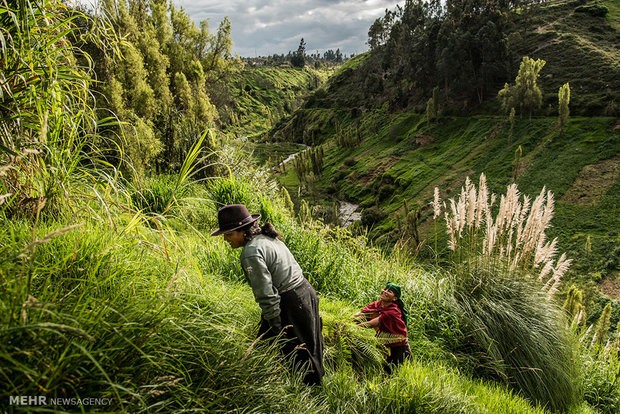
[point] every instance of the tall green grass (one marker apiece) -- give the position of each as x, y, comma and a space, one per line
112, 315
514, 335
498, 323
104, 316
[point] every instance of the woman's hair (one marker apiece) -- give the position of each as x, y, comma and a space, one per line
254, 229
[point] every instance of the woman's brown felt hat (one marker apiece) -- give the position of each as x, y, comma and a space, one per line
233, 217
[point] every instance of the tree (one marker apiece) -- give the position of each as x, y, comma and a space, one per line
432, 106
563, 100
218, 62
471, 45
163, 86
525, 93
430, 111
379, 31
299, 57
338, 56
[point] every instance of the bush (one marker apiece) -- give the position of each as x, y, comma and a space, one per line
385, 191
349, 162
339, 175
372, 215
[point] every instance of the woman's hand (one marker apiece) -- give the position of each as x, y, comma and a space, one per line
372, 323
364, 316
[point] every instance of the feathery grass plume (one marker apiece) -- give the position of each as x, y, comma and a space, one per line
436, 213
436, 204
559, 270
515, 235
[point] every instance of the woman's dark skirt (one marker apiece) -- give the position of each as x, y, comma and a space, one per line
397, 356
303, 340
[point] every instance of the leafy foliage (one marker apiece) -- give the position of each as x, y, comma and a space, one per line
160, 86
525, 93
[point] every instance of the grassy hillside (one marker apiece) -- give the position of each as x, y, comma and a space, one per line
579, 42
398, 157
257, 97
149, 312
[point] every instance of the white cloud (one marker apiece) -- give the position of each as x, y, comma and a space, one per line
266, 27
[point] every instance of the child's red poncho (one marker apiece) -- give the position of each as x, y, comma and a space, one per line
390, 321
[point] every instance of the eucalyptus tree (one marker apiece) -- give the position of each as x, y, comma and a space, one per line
160, 87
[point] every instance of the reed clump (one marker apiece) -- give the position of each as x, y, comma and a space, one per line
504, 278
515, 236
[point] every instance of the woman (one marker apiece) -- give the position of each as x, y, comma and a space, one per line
289, 304
389, 318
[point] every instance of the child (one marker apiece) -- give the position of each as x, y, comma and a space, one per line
389, 318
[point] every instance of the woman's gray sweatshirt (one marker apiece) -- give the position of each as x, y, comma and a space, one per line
271, 269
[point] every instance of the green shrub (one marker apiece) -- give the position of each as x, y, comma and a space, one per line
349, 162
372, 215
385, 191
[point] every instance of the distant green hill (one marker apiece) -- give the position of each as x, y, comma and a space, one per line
380, 155
579, 41
254, 99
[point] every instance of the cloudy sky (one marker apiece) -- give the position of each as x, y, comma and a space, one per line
265, 27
